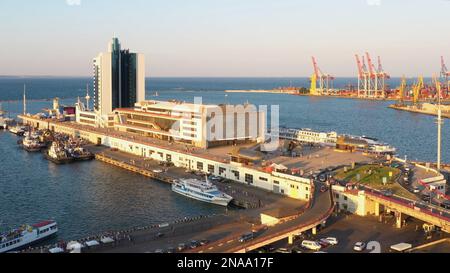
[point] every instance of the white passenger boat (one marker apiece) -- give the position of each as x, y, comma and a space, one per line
27, 235
201, 191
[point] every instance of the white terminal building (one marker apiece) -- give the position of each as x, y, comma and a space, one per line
199, 125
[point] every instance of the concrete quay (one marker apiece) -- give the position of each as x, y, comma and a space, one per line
419, 111
244, 196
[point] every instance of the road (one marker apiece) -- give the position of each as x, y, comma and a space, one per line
320, 207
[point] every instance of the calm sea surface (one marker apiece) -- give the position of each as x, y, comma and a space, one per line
92, 197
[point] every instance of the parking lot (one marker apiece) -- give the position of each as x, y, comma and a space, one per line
350, 229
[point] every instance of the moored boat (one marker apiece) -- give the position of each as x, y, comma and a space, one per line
31, 144
17, 130
81, 154
27, 235
201, 191
57, 154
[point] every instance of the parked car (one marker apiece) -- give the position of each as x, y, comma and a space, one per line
359, 246
323, 178
282, 250
215, 178
181, 247
324, 243
171, 250
160, 235
268, 249
246, 237
159, 251
158, 171
426, 197
204, 242
388, 193
331, 240
311, 245
194, 244
445, 204
416, 190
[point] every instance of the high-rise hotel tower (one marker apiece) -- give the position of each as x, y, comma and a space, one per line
119, 79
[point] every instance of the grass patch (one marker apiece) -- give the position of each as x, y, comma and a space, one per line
372, 176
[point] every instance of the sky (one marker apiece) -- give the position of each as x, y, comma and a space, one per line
225, 38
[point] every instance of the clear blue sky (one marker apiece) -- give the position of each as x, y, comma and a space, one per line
225, 37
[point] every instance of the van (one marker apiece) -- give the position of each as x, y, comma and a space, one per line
311, 245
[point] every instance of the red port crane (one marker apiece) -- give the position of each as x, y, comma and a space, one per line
324, 79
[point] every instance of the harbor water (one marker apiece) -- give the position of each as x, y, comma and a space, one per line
92, 197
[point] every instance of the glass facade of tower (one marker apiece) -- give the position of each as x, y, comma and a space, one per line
128, 76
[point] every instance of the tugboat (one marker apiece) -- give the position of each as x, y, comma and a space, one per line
81, 154
58, 154
27, 235
31, 144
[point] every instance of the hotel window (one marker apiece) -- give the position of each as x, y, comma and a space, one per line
263, 179
249, 178
276, 182
236, 174
211, 169
222, 170
200, 166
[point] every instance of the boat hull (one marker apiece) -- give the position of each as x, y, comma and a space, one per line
59, 161
84, 158
215, 201
32, 149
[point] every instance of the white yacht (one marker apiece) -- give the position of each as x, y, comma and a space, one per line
27, 235
201, 191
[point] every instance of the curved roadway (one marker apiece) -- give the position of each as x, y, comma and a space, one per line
319, 211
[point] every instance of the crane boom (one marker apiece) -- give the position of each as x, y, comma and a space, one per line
370, 64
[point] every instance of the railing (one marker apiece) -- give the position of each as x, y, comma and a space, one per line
308, 225
409, 204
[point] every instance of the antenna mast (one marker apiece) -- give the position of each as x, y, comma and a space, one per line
24, 99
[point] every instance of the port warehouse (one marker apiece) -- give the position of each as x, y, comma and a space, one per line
289, 185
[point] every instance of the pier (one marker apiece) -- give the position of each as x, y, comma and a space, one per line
414, 109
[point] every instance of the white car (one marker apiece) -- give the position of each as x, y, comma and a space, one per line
331, 240
359, 246
158, 171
